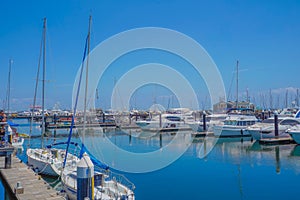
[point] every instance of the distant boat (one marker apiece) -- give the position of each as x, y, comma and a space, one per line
211, 121
236, 123
266, 128
17, 140
173, 119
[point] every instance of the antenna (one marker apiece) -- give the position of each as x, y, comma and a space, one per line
237, 83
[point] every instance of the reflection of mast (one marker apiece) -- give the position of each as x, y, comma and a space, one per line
277, 156
237, 84
240, 181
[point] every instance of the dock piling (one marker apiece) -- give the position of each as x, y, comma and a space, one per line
85, 178
204, 121
276, 123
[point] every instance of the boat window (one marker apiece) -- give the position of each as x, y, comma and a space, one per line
173, 118
230, 122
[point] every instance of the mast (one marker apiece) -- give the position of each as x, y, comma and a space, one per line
271, 99
237, 83
8, 88
86, 78
286, 98
297, 97
43, 79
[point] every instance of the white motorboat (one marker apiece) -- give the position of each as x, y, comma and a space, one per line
211, 121
266, 128
235, 124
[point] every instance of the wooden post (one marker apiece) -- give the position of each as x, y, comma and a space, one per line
160, 140
7, 161
276, 123
204, 121
160, 122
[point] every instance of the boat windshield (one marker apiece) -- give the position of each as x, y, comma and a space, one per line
173, 118
270, 121
230, 122
291, 122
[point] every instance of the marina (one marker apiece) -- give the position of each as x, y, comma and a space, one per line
149, 100
232, 160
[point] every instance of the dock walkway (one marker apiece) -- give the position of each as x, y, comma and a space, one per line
34, 186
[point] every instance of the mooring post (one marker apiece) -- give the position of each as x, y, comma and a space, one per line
160, 122
276, 123
85, 178
7, 164
160, 140
204, 121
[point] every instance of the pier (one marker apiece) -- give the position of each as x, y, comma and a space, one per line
24, 184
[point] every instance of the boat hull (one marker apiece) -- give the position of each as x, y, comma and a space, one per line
40, 166
295, 135
230, 131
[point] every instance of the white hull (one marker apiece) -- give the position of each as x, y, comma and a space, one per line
295, 135
259, 134
146, 125
42, 167
230, 131
45, 162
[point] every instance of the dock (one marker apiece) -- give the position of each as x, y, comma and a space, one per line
24, 184
275, 141
169, 129
202, 134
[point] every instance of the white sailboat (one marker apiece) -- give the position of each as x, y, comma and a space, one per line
238, 119
106, 186
16, 140
44, 160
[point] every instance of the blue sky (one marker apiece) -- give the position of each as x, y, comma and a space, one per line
262, 35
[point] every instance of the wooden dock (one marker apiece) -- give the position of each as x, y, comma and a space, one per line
169, 129
31, 186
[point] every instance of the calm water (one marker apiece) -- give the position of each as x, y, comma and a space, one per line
234, 169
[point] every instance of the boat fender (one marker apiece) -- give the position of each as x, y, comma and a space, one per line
242, 132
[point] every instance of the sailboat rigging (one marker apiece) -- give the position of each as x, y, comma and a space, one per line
107, 187
45, 160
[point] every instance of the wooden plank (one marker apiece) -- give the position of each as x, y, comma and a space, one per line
34, 186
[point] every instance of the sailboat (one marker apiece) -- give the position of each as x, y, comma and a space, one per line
47, 161
238, 119
106, 186
16, 140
